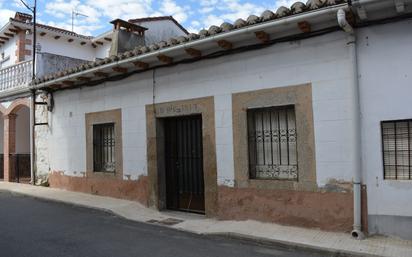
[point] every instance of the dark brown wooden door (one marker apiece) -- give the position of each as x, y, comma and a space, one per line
184, 164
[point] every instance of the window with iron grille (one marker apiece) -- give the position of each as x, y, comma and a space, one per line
272, 142
104, 148
396, 147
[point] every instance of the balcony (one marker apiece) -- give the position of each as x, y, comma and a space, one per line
16, 76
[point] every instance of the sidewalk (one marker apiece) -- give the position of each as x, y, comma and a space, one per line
251, 230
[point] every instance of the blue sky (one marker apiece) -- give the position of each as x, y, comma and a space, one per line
193, 14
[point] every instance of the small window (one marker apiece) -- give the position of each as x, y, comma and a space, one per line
272, 142
104, 148
396, 146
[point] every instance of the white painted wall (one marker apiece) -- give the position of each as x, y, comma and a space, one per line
102, 51
63, 47
323, 61
9, 50
385, 64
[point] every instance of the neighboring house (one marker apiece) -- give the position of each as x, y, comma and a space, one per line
160, 28
299, 117
56, 50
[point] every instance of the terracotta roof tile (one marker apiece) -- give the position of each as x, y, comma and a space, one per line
267, 15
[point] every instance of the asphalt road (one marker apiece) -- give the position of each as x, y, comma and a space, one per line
36, 228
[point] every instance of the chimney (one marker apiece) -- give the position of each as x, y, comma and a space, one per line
24, 17
126, 36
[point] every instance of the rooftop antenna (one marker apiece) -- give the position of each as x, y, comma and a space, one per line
76, 14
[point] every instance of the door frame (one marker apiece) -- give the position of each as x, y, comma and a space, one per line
155, 149
172, 186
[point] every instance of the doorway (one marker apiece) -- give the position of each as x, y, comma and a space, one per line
184, 164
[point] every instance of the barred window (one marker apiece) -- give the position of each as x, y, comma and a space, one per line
272, 142
396, 146
104, 148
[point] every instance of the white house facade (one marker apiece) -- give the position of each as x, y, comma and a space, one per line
297, 117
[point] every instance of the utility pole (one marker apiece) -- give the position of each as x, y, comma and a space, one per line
33, 91
34, 11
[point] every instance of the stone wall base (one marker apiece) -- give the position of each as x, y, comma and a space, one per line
332, 211
134, 190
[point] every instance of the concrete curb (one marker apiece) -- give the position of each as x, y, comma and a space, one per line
291, 245
230, 235
63, 202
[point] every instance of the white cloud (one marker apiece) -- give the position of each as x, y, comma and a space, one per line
5, 15
85, 29
180, 13
195, 14
286, 3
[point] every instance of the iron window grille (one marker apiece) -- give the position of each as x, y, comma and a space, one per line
104, 148
272, 143
396, 148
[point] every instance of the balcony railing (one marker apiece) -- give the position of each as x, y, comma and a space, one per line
18, 75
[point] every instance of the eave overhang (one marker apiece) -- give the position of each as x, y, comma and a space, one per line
318, 19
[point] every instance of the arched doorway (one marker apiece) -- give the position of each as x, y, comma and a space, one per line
16, 142
21, 157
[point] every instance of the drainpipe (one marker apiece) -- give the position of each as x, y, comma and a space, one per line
357, 177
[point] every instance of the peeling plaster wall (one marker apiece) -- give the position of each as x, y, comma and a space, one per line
42, 141
385, 61
323, 61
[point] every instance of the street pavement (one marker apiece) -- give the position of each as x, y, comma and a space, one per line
37, 228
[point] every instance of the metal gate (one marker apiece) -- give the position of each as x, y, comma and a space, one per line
20, 165
184, 164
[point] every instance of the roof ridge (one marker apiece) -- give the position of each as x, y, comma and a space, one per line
159, 18
57, 29
266, 16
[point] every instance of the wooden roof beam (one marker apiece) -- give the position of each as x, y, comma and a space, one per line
101, 74
165, 59
68, 83
55, 86
141, 65
193, 52
84, 79
4, 38
304, 26
43, 34
108, 39
262, 36
120, 69
8, 34
226, 45
57, 37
